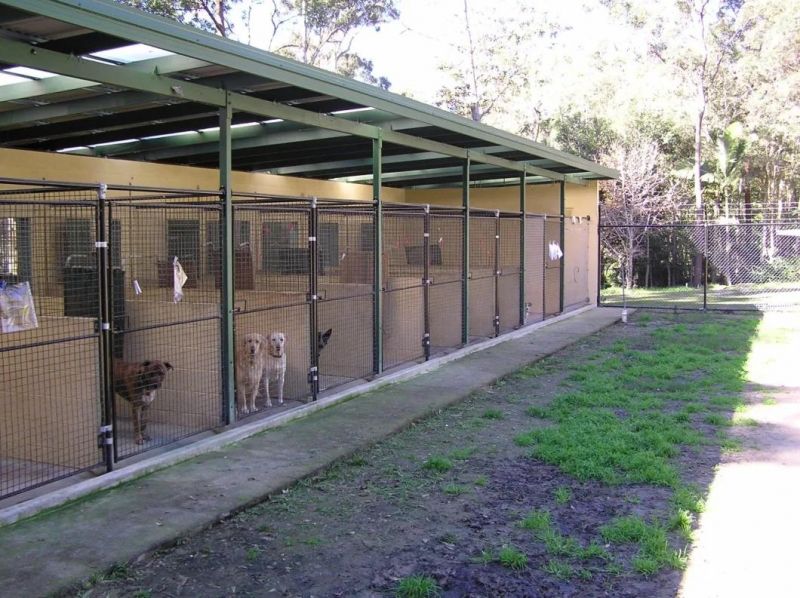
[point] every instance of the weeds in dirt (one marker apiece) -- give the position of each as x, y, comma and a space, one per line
562, 495
417, 586
688, 499
481, 481
462, 454
681, 522
438, 464
492, 414
654, 551
559, 569
536, 521
454, 489
769, 401
252, 553
512, 558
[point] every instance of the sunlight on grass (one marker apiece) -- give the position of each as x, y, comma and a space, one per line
772, 358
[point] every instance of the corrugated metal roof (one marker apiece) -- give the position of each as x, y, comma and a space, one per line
61, 114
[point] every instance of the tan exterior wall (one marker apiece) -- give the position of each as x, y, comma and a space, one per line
582, 201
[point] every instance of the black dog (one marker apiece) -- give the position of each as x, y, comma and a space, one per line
323, 338
137, 383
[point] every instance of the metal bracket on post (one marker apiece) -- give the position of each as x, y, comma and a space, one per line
105, 437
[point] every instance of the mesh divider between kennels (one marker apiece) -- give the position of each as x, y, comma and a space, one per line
509, 269
552, 266
535, 256
166, 321
271, 287
482, 279
446, 274
405, 253
51, 397
346, 238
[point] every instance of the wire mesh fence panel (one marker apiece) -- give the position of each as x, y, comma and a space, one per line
509, 268
576, 263
534, 268
655, 266
552, 266
347, 248
271, 289
51, 398
481, 287
165, 307
405, 252
753, 267
446, 274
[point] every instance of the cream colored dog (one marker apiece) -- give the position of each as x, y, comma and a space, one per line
250, 354
275, 364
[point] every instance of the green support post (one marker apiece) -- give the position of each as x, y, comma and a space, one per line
562, 202
522, 310
377, 311
226, 230
465, 256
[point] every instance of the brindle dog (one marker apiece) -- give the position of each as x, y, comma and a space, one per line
137, 383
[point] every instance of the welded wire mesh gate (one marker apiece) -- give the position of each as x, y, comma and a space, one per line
735, 267
125, 359
50, 399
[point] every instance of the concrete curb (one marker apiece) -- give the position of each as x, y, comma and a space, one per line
61, 497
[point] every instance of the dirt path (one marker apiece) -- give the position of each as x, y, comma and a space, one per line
747, 541
500, 495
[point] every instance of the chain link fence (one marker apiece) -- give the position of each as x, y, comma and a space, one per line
733, 267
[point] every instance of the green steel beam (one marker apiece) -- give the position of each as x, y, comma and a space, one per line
353, 163
227, 340
122, 21
522, 209
27, 90
410, 175
562, 204
103, 103
377, 305
465, 254
193, 143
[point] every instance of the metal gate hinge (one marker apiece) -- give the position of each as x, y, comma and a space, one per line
312, 239
101, 244
105, 437
105, 326
426, 235
106, 428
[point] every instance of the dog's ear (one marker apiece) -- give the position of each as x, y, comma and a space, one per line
147, 363
326, 336
168, 365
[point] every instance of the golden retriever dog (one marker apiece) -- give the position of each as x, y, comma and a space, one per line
249, 370
275, 364
137, 383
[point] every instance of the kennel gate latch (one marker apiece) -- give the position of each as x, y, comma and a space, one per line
105, 436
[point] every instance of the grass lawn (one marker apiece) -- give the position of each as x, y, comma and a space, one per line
582, 474
746, 296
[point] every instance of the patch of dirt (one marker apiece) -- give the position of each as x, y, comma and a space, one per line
382, 516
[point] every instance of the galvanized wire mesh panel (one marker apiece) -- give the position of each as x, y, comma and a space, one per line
347, 293
166, 337
446, 273
482, 255
534, 268
271, 286
576, 263
49, 343
552, 267
404, 257
508, 281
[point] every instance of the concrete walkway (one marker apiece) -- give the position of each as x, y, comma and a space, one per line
58, 548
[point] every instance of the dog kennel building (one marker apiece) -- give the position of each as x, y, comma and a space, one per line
289, 198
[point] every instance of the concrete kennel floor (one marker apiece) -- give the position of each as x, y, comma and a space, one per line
61, 547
